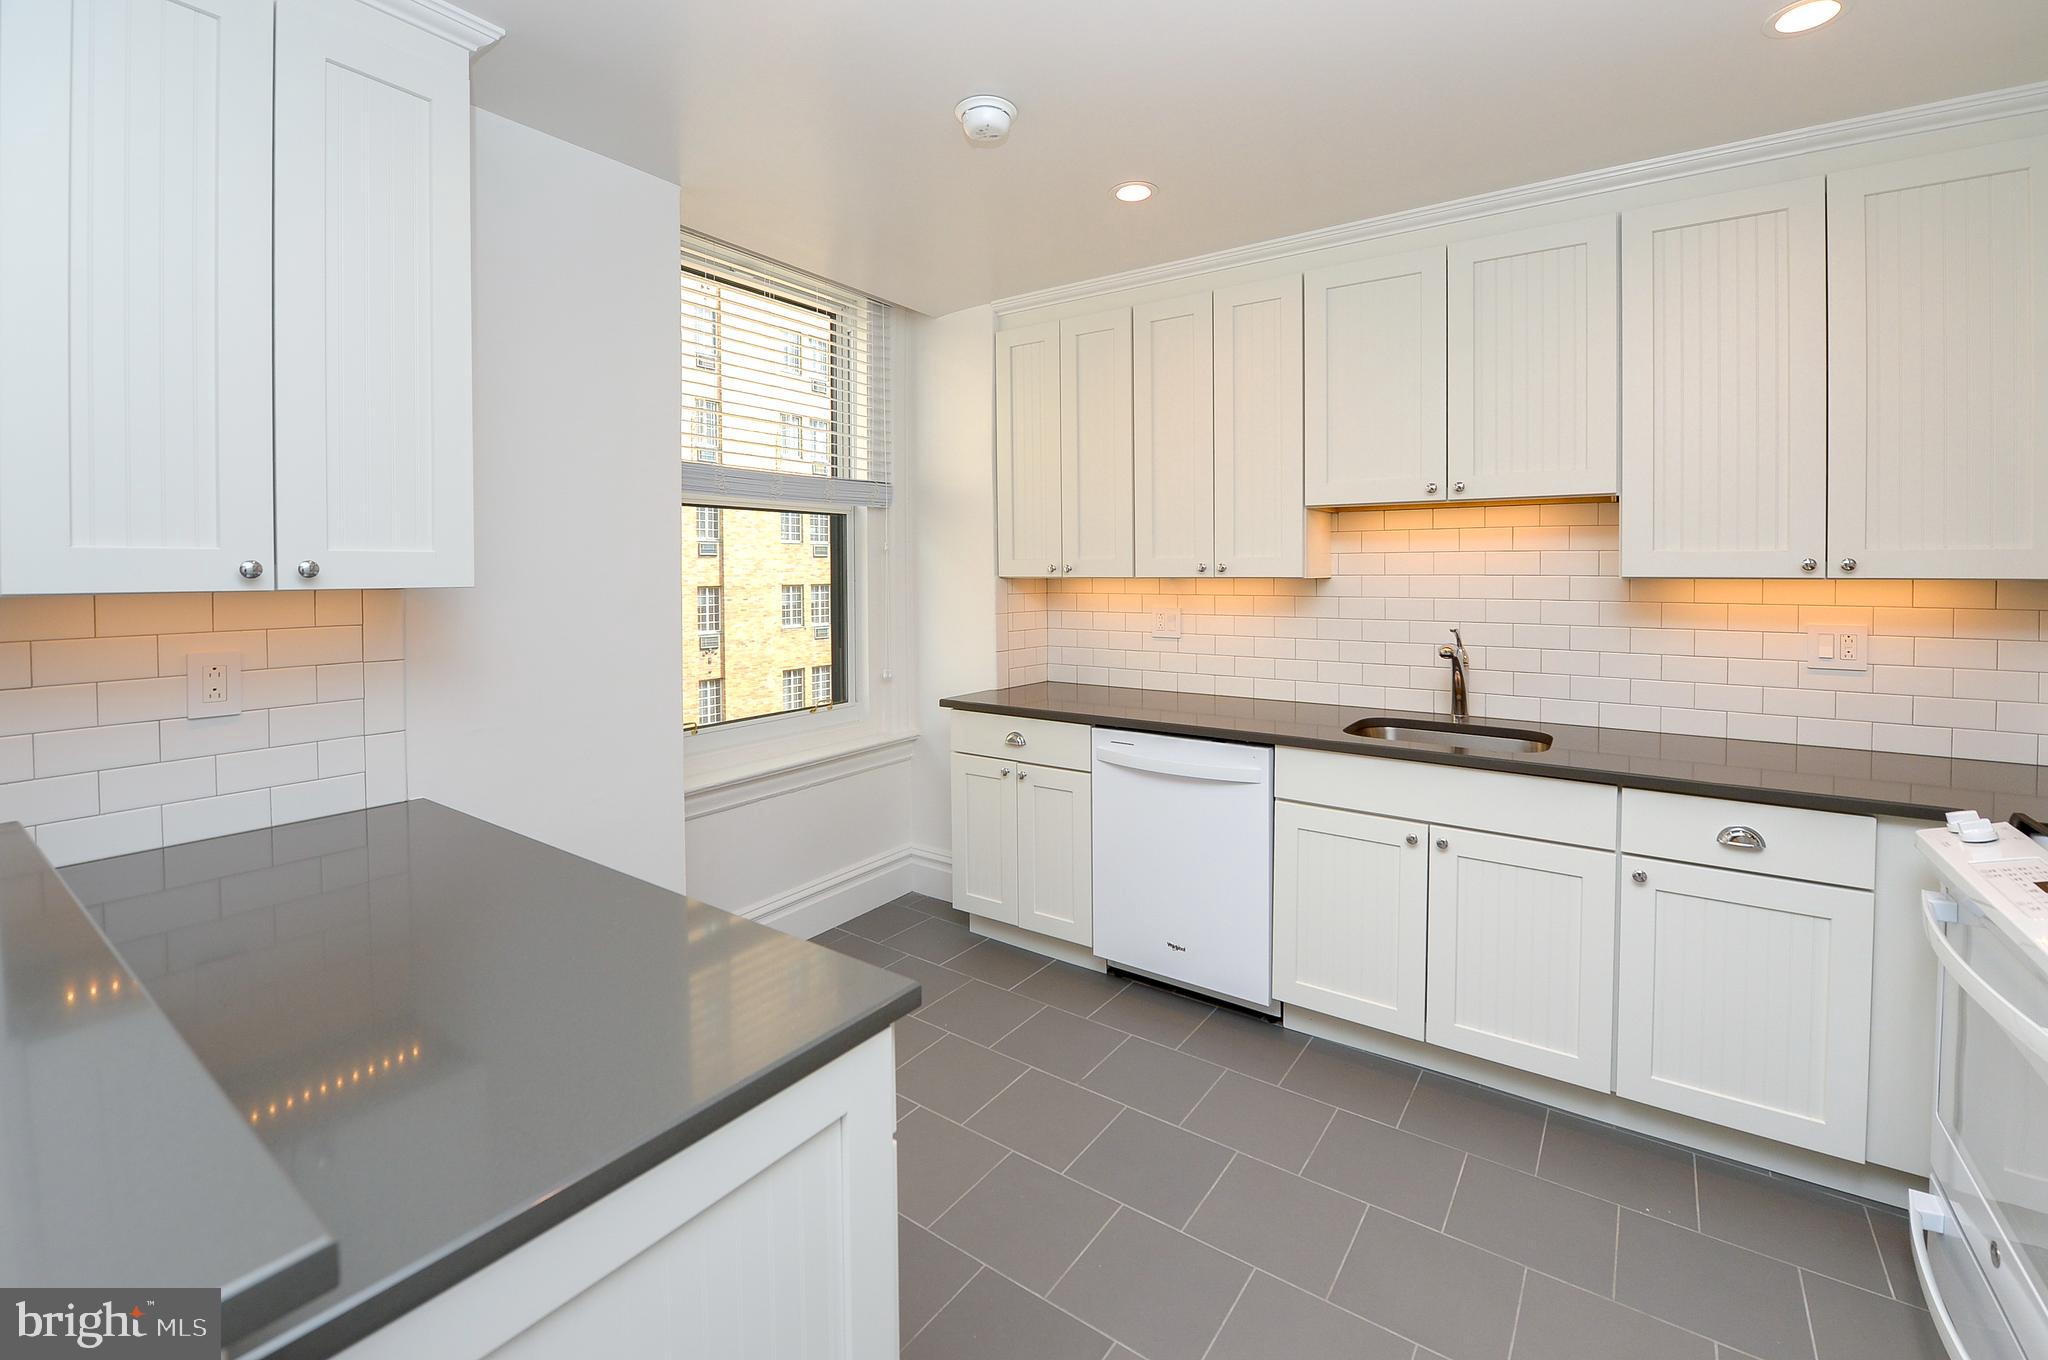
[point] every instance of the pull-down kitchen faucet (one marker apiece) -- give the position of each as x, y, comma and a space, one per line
1454, 651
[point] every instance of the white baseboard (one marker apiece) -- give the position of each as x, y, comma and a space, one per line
836, 898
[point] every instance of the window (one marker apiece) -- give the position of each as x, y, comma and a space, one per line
785, 446
710, 702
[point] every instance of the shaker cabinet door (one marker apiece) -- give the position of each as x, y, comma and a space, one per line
1260, 521
1028, 501
1095, 444
1173, 438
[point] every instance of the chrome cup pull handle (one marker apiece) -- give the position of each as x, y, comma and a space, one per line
1014, 739
1741, 838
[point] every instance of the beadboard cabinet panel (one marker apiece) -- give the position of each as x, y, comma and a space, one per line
1028, 504
1055, 871
1374, 415
1174, 437
1260, 522
1095, 444
1533, 362
985, 837
1937, 329
1351, 915
135, 264
373, 294
1724, 384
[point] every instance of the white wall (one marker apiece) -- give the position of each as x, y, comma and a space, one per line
547, 698
952, 475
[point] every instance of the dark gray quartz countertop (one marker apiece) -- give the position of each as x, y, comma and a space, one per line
122, 1166
449, 1037
1833, 780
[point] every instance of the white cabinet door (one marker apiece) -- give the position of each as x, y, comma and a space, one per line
1260, 521
1054, 870
1724, 384
1374, 396
1937, 334
135, 436
1350, 915
985, 837
1745, 1000
1028, 451
1095, 444
374, 467
1521, 954
1174, 437
1534, 363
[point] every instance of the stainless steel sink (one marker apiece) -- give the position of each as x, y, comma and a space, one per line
1453, 736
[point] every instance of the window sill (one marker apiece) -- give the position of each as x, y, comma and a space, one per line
728, 779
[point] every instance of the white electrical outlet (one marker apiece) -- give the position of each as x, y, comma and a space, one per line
1166, 623
213, 684
1840, 650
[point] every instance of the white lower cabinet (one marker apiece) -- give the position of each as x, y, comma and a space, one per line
1021, 846
1745, 1000
1351, 915
1521, 954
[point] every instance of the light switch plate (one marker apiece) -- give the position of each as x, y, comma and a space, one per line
213, 684
1166, 623
1841, 651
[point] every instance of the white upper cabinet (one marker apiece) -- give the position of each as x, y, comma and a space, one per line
1533, 362
1028, 502
1724, 388
135, 193
1174, 433
1261, 525
1374, 417
1937, 333
1095, 444
373, 301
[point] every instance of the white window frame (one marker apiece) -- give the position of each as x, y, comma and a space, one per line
821, 694
714, 685
790, 526
789, 592
798, 674
714, 596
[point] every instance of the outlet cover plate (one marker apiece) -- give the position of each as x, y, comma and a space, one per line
1838, 651
213, 684
1166, 623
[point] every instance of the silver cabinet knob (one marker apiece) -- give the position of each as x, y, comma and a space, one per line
1457, 486
1414, 839
1431, 488
1808, 564
251, 569
1204, 567
1023, 775
1639, 876
1848, 564
1222, 567
1014, 739
1070, 566
1052, 569
1006, 772
308, 569
1442, 843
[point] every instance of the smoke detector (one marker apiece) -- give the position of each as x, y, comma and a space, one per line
985, 118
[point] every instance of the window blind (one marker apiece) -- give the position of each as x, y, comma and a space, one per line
784, 384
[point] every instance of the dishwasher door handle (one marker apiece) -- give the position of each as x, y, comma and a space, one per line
1180, 769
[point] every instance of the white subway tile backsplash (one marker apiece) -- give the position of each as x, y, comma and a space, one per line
243, 770
223, 816
342, 680
264, 609
315, 646
50, 800
47, 710
95, 748
29, 618
344, 755
17, 758
170, 781
131, 615
102, 837
173, 648
321, 798
14, 665
316, 722
280, 687
185, 737
127, 701
336, 607
384, 624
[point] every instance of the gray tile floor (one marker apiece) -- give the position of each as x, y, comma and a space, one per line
1090, 1169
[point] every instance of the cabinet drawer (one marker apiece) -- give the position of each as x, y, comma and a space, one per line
1532, 806
1064, 745
1823, 847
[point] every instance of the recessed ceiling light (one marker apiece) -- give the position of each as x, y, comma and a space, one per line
1802, 17
1133, 191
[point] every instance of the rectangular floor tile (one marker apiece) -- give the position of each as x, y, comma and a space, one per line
1073, 989
1382, 1165
937, 1161
1025, 1221
1452, 1297
1046, 1119
935, 940
1158, 1080
914, 1036
1279, 1222
932, 906
1152, 1013
993, 1319
928, 1274
1499, 1127
935, 979
1559, 1322
1352, 1079
1001, 964
1062, 1044
980, 1012
1159, 1292
1790, 1220
1152, 1166
859, 947
883, 922
1643, 1173
1261, 1120
1274, 1320
1851, 1324
956, 1077
1712, 1287
1555, 1229
1896, 1249
1255, 1047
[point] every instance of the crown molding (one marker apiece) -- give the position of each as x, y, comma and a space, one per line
444, 21
2014, 102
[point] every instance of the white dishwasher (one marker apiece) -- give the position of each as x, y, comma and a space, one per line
1184, 861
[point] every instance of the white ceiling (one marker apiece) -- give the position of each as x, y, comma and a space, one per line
821, 132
